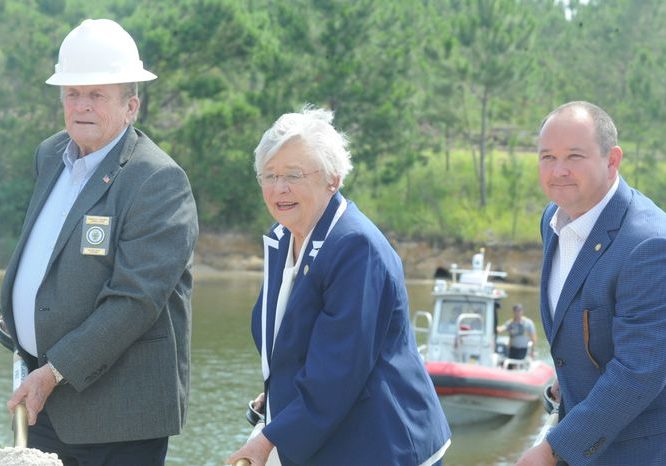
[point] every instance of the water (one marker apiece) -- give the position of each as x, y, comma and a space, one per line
226, 374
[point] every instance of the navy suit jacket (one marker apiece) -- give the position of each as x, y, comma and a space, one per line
612, 376
346, 383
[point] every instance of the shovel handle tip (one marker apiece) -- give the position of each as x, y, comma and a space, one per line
20, 426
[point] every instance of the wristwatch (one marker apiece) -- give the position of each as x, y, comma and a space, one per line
60, 380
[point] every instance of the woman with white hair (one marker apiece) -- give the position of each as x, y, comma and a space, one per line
344, 383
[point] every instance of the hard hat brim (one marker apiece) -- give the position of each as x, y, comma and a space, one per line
93, 79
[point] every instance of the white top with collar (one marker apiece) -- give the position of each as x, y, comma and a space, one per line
44, 235
288, 276
572, 235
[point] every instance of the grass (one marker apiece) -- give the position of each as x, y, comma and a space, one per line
433, 202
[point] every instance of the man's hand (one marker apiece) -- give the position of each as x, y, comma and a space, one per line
555, 391
540, 455
34, 391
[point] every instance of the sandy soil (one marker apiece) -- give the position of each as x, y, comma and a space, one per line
13, 456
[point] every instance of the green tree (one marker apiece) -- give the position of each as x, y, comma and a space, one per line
200, 109
364, 74
495, 39
440, 119
30, 109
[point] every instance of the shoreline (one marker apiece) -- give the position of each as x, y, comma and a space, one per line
226, 255
220, 254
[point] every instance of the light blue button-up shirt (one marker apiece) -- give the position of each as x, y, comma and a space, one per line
44, 234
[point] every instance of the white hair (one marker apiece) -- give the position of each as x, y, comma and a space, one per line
313, 127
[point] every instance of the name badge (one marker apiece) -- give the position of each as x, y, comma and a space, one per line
95, 235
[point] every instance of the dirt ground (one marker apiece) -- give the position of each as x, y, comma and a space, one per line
220, 253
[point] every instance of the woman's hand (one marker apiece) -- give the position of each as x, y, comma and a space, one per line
258, 403
256, 451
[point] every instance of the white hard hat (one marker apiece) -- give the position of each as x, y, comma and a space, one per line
98, 51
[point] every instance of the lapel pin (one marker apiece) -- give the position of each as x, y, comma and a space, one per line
597, 247
306, 269
106, 179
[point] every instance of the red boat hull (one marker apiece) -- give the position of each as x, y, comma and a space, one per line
452, 378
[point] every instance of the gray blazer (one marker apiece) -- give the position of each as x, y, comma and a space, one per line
118, 326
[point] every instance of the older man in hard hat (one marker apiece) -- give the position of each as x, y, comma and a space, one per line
97, 295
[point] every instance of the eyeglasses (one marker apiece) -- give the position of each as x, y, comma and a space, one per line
291, 178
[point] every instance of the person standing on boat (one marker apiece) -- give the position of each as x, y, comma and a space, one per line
97, 295
344, 382
522, 334
603, 303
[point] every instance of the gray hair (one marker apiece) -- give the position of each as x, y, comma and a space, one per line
313, 126
130, 90
604, 127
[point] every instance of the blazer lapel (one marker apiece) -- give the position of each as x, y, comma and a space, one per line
332, 214
276, 247
551, 240
594, 247
95, 188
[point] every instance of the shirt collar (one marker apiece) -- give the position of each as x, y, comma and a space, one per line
92, 160
582, 226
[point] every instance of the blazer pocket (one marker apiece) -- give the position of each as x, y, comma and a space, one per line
151, 338
598, 335
152, 335
586, 337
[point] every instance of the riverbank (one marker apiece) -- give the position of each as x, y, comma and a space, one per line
226, 253
223, 254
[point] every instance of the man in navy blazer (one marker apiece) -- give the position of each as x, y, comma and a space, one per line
603, 298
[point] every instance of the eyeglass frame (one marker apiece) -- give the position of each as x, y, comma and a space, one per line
295, 178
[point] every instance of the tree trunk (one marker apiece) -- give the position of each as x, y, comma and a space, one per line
447, 147
482, 148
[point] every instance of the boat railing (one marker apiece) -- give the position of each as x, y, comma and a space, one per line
469, 337
469, 323
473, 282
479, 274
516, 364
420, 316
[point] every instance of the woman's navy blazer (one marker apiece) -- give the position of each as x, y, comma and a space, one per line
345, 382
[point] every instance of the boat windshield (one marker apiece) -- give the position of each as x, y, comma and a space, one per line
451, 310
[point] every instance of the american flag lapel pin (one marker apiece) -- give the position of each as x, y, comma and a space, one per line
106, 179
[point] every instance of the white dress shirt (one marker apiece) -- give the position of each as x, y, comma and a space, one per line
44, 235
572, 235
